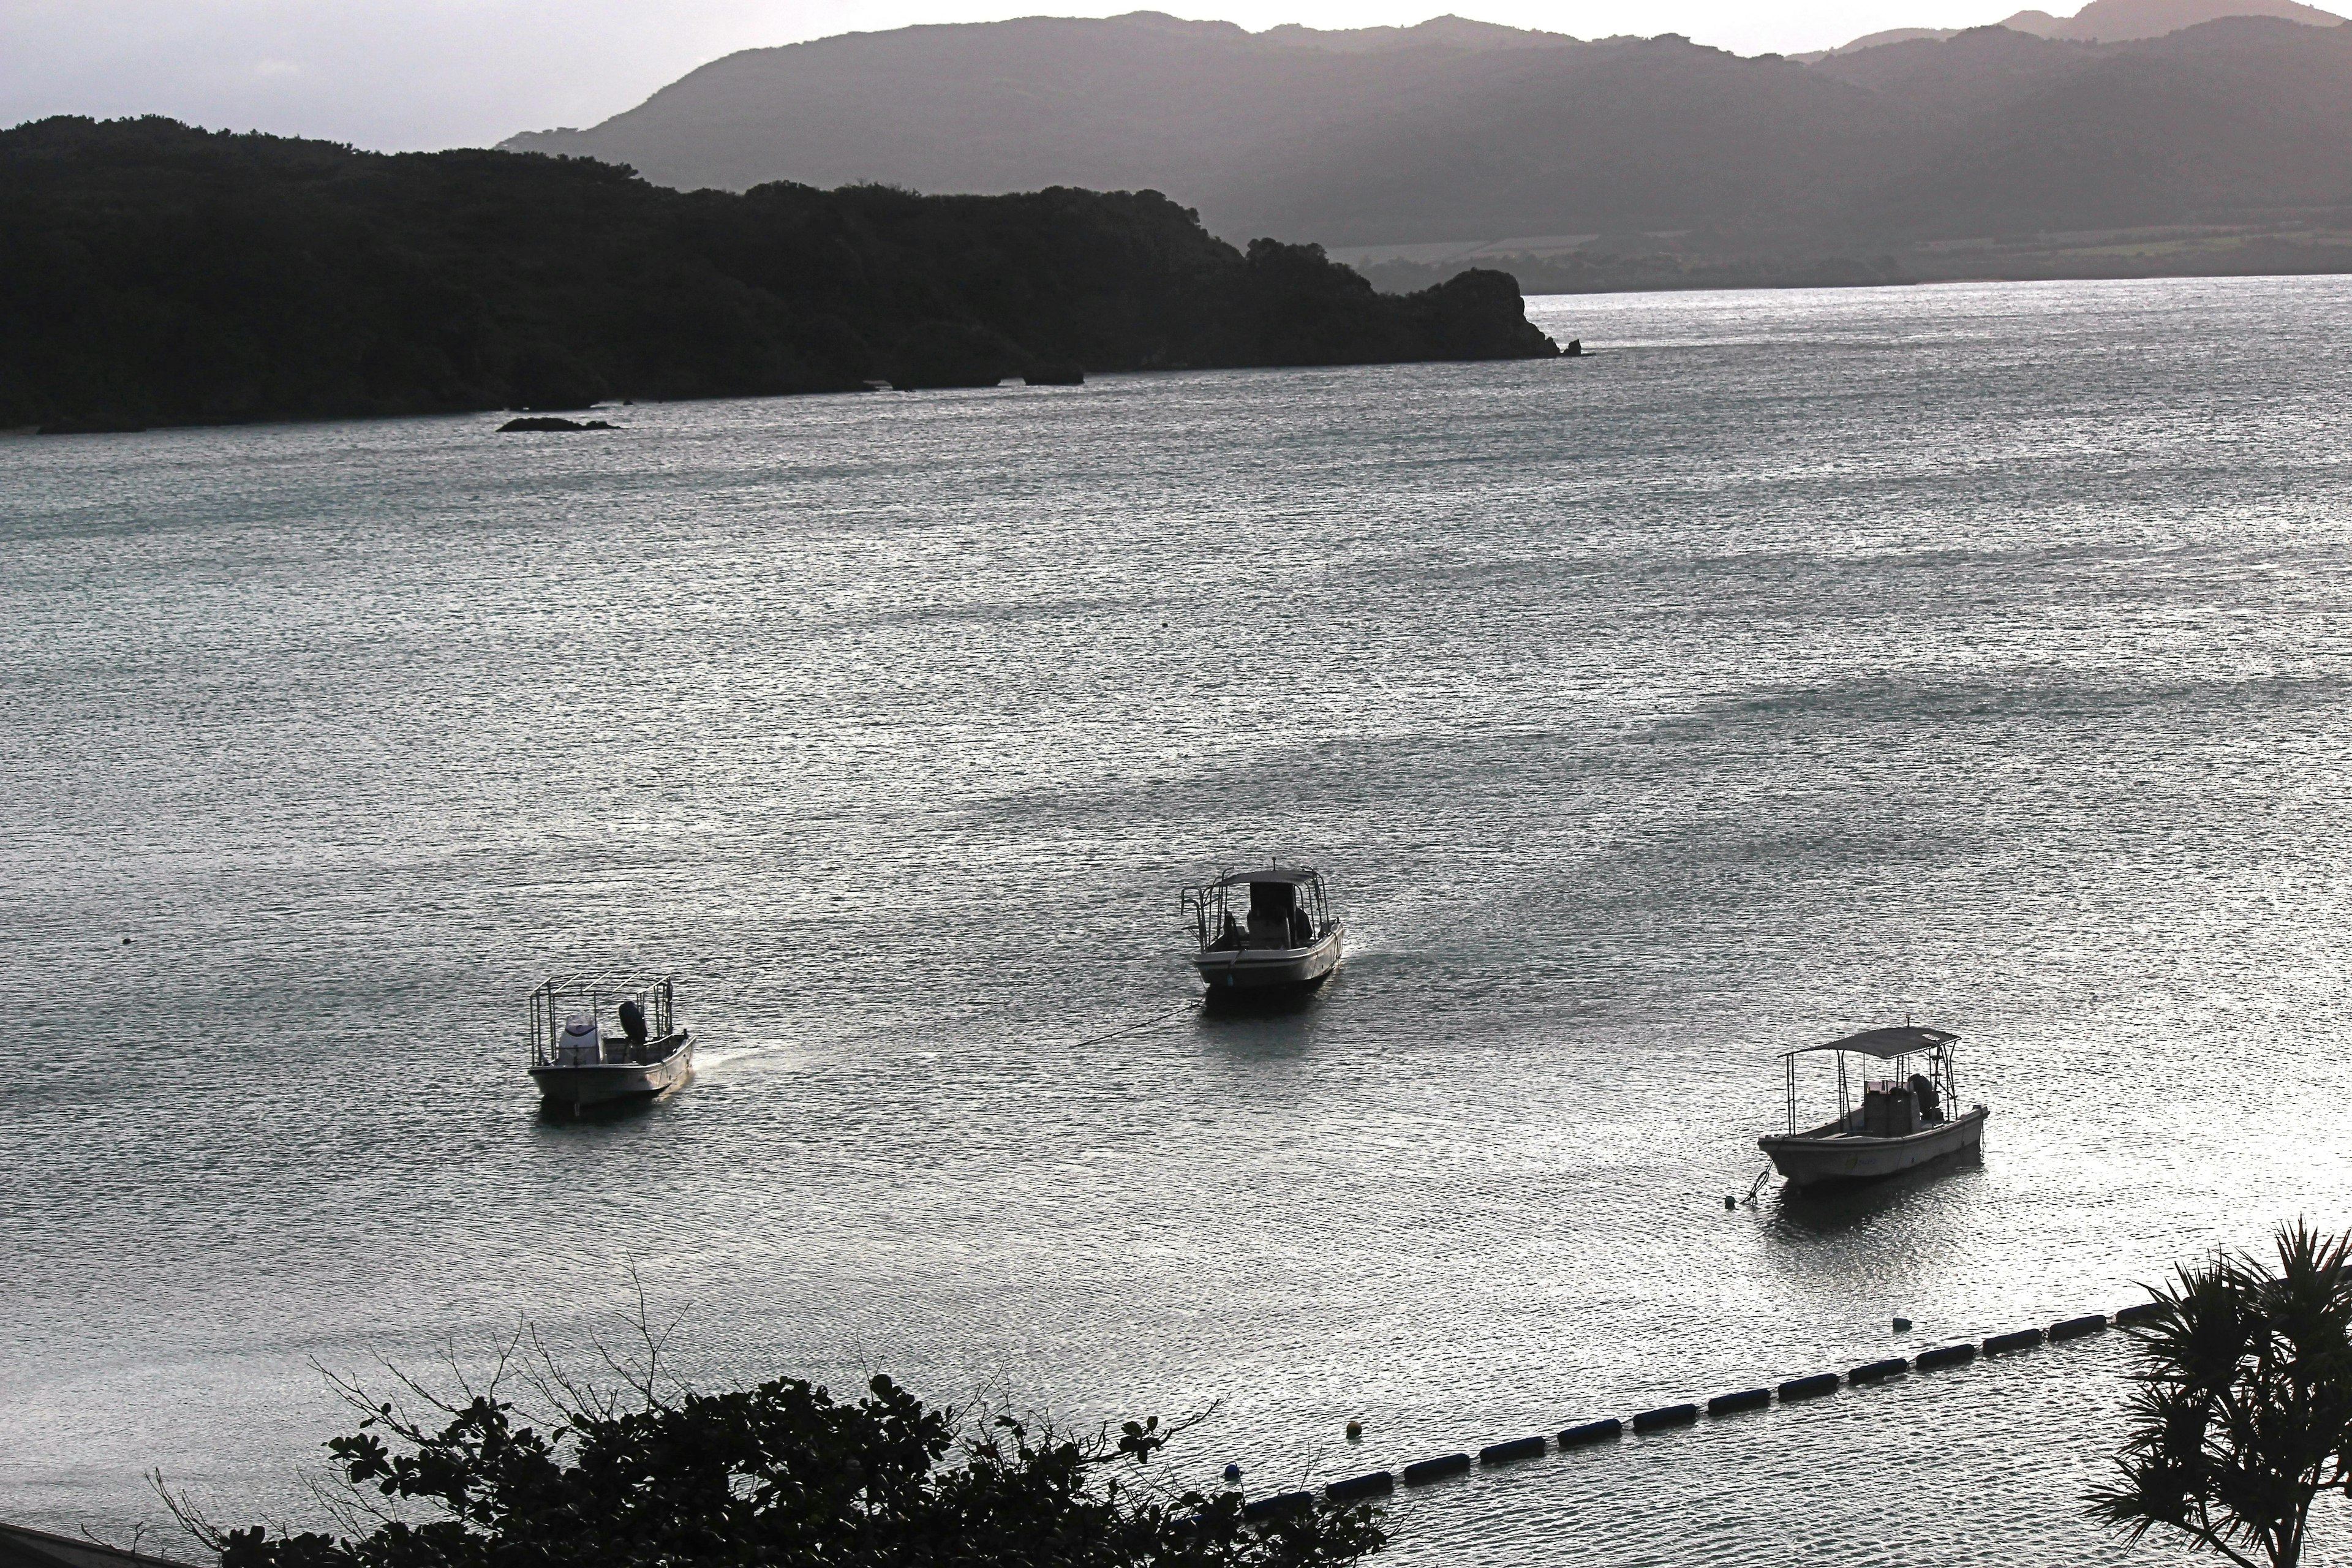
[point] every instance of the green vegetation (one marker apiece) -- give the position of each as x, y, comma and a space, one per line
780, 1475
2244, 1412
151, 273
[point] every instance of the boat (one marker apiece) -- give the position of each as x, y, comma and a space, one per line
1906, 1119
598, 1039
1282, 939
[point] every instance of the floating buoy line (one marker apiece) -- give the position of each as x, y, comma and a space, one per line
1667, 1417
1664, 1417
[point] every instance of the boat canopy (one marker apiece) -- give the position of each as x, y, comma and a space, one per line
1887, 1044
606, 982
1295, 876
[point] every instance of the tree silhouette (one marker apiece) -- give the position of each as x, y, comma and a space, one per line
2243, 1415
532, 1467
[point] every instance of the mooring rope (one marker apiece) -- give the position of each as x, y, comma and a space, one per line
1156, 1019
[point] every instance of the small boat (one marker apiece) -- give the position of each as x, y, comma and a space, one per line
600, 1038
1284, 938
1906, 1119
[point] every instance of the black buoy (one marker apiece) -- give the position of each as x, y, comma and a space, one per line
1276, 1506
1666, 1415
1516, 1449
1355, 1431
1427, 1470
1902, 1325
1232, 1475
1729, 1202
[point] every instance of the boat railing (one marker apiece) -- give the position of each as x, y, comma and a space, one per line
1940, 1103
601, 997
1216, 930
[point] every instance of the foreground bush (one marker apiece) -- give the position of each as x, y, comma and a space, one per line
777, 1475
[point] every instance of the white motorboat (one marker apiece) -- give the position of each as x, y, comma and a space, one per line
1283, 938
600, 1038
1905, 1118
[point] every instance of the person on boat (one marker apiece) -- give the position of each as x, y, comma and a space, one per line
1931, 1110
1229, 938
1302, 927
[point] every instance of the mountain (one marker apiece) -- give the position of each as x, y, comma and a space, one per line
1140, 101
1452, 32
1402, 143
151, 273
1872, 41
2227, 121
2120, 21
2106, 21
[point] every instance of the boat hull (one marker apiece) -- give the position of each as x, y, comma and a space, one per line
1271, 968
606, 1083
1812, 1159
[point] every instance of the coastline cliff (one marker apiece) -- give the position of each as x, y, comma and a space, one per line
152, 273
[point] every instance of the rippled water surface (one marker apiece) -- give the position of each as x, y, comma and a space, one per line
1798, 662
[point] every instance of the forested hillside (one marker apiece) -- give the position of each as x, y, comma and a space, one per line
152, 273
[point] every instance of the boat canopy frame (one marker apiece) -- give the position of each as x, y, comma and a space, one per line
1897, 1045
600, 994
1209, 904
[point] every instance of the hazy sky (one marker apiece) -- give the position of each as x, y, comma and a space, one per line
439, 73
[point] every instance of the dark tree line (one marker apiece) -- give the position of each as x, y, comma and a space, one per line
153, 273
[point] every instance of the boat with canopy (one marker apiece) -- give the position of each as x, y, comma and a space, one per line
1907, 1117
600, 1038
1267, 930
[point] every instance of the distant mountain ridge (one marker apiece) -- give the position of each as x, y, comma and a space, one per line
2106, 22
2121, 21
1453, 130
1448, 31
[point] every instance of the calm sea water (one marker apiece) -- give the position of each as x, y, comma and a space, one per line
1797, 663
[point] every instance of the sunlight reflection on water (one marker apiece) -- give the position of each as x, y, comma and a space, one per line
1799, 660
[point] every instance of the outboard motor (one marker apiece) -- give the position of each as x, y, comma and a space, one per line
633, 1022
1930, 1107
